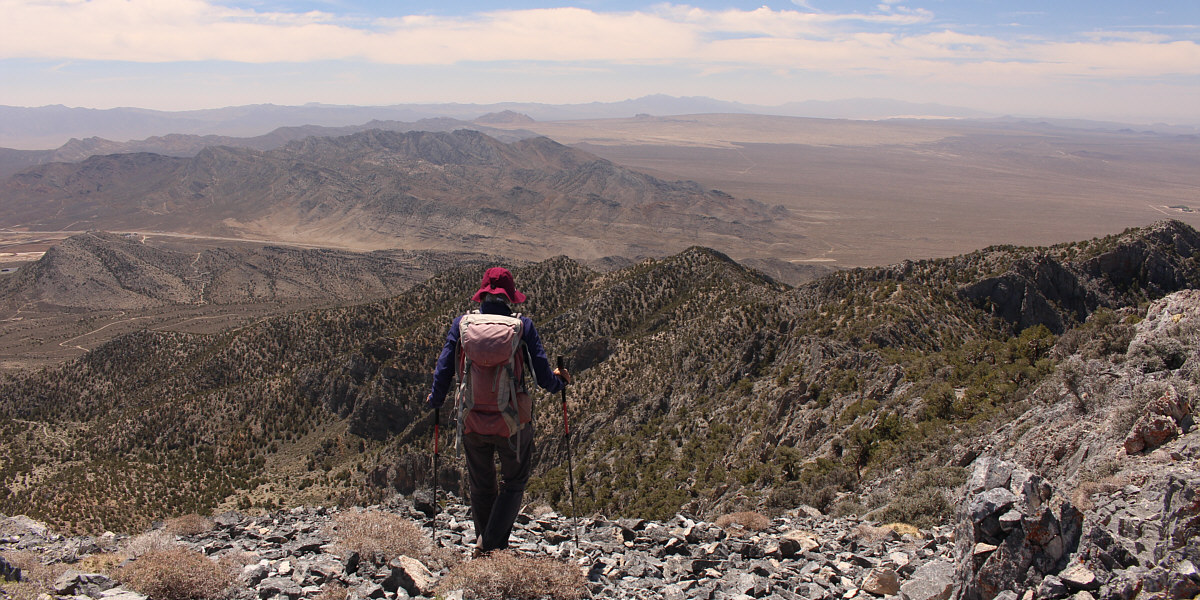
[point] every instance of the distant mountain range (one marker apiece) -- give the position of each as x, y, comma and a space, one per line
180, 144
49, 127
463, 190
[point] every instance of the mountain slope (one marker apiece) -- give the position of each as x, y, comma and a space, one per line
416, 190
700, 386
105, 271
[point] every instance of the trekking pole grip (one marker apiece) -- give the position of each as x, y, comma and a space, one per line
566, 426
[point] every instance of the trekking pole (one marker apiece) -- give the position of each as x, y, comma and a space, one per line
570, 465
437, 414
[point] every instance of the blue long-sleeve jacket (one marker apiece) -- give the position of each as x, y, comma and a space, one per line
443, 374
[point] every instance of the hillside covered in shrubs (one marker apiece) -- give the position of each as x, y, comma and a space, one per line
700, 386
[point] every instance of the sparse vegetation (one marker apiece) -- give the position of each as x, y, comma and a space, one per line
37, 578
176, 574
380, 536
506, 575
190, 524
743, 522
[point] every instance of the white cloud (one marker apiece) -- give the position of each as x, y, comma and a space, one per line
893, 41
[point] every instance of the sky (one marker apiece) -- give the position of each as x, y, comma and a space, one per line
1133, 61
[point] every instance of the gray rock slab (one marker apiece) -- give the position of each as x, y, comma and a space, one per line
932, 581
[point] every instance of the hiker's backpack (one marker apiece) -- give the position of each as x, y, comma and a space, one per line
492, 398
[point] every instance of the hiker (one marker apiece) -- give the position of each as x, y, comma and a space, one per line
489, 426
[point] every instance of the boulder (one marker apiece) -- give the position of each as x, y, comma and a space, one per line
279, 586
8, 572
1151, 431
410, 575
1078, 577
882, 582
932, 581
1052, 588
72, 583
120, 593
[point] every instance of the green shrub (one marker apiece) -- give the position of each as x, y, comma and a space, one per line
923, 499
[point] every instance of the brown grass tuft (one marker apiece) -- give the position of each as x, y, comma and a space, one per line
904, 529
176, 574
743, 522
380, 536
507, 575
104, 562
192, 524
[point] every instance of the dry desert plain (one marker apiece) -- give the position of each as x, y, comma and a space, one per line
877, 192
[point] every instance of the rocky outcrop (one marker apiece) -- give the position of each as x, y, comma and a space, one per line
1159, 259
1166, 419
1144, 539
1012, 532
1034, 292
1016, 536
1059, 293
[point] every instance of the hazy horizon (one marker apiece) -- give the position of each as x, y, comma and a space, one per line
1098, 61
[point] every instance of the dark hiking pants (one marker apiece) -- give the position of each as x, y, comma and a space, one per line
494, 507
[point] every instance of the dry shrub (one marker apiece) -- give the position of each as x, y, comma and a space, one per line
380, 536
176, 574
504, 575
153, 541
443, 558
332, 591
870, 534
192, 524
1082, 496
743, 521
36, 578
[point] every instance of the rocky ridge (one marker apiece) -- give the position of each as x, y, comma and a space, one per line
294, 554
